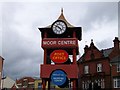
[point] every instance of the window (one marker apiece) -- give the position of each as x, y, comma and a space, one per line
86, 69
99, 67
100, 83
39, 85
117, 83
25, 84
85, 85
118, 67
31, 85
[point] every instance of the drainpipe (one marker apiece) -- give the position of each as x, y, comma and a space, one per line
111, 77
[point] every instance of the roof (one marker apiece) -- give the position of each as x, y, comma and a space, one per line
71, 28
25, 78
116, 59
62, 17
36, 78
90, 53
8, 82
106, 52
2, 58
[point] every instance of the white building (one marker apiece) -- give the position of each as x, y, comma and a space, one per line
7, 82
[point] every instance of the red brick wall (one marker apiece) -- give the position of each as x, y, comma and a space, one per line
93, 70
97, 55
114, 70
93, 66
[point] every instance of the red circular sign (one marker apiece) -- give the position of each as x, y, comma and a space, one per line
59, 56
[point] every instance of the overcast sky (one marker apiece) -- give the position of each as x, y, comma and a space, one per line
21, 39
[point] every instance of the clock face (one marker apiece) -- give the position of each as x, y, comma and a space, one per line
59, 27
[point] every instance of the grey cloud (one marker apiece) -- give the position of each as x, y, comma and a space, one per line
99, 11
22, 48
119, 19
104, 43
22, 55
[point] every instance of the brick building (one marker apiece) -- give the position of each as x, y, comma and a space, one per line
94, 68
1, 69
115, 65
26, 83
100, 68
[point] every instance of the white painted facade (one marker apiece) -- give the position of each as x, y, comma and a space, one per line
7, 82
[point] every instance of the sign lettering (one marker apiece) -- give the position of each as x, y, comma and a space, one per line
58, 77
49, 43
59, 56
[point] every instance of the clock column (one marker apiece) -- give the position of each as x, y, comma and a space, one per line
60, 42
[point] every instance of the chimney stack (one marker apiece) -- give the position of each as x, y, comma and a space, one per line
116, 43
86, 48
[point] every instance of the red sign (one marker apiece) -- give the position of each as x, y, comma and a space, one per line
59, 56
57, 43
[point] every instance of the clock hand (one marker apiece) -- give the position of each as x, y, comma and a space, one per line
59, 27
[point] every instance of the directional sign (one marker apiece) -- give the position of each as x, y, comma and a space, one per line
58, 77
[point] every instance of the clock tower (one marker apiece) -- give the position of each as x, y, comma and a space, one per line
60, 45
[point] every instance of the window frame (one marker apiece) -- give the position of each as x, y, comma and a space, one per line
118, 67
86, 70
115, 84
99, 67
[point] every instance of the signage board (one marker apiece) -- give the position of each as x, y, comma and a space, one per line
58, 77
61, 42
59, 56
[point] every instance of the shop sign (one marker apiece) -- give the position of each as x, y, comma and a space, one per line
56, 43
59, 56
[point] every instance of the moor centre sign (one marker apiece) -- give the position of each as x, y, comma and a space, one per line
68, 42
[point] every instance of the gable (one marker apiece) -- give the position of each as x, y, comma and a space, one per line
93, 54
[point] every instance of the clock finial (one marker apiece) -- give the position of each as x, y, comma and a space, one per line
61, 10
91, 40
